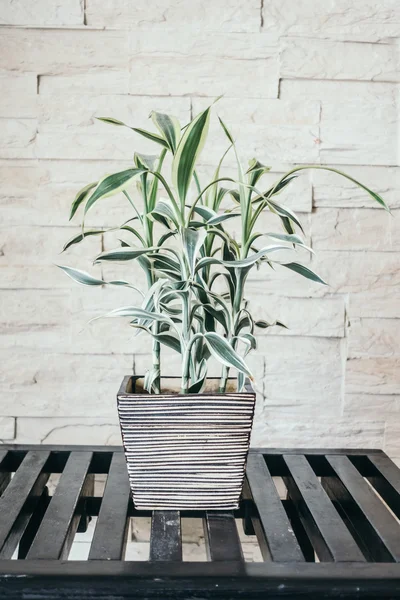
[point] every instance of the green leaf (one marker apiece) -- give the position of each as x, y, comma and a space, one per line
285, 212
151, 136
205, 212
245, 262
112, 121
81, 276
304, 271
264, 324
291, 238
165, 209
221, 218
81, 236
189, 148
123, 254
111, 184
226, 131
80, 197
85, 279
137, 313
169, 128
223, 351
193, 239
255, 171
145, 161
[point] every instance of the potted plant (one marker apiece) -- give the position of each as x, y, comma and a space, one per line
186, 437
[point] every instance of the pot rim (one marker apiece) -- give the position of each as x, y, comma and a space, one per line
128, 384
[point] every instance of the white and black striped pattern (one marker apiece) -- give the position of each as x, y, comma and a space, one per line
186, 451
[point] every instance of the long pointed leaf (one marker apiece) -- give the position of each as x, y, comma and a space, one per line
169, 128
223, 351
189, 148
304, 271
111, 185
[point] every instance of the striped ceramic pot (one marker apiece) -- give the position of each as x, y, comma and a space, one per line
185, 451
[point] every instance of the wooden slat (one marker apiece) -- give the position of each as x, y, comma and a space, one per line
386, 481
165, 537
110, 534
329, 535
299, 531
5, 476
222, 537
28, 480
374, 523
274, 532
56, 533
34, 524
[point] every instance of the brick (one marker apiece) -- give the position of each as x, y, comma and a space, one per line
307, 58
373, 375
351, 130
273, 131
7, 429
312, 371
371, 279
217, 15
50, 51
18, 138
196, 65
330, 190
34, 318
367, 406
83, 431
107, 83
20, 99
392, 438
359, 21
224, 45
51, 384
303, 316
45, 12
374, 337
355, 229
318, 432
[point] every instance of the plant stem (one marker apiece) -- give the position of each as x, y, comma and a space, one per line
156, 362
224, 379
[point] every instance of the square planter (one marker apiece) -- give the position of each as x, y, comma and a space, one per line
185, 451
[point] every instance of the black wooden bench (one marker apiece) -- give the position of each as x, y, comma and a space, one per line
335, 535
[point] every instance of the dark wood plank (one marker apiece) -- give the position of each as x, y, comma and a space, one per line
274, 532
5, 475
222, 537
59, 525
321, 451
110, 534
329, 535
299, 531
386, 480
19, 499
106, 580
374, 523
33, 524
165, 537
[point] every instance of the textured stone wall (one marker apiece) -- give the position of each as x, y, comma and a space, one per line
304, 82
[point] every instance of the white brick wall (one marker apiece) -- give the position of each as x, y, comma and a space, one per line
304, 82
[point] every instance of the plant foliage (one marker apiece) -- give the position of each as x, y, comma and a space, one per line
196, 269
